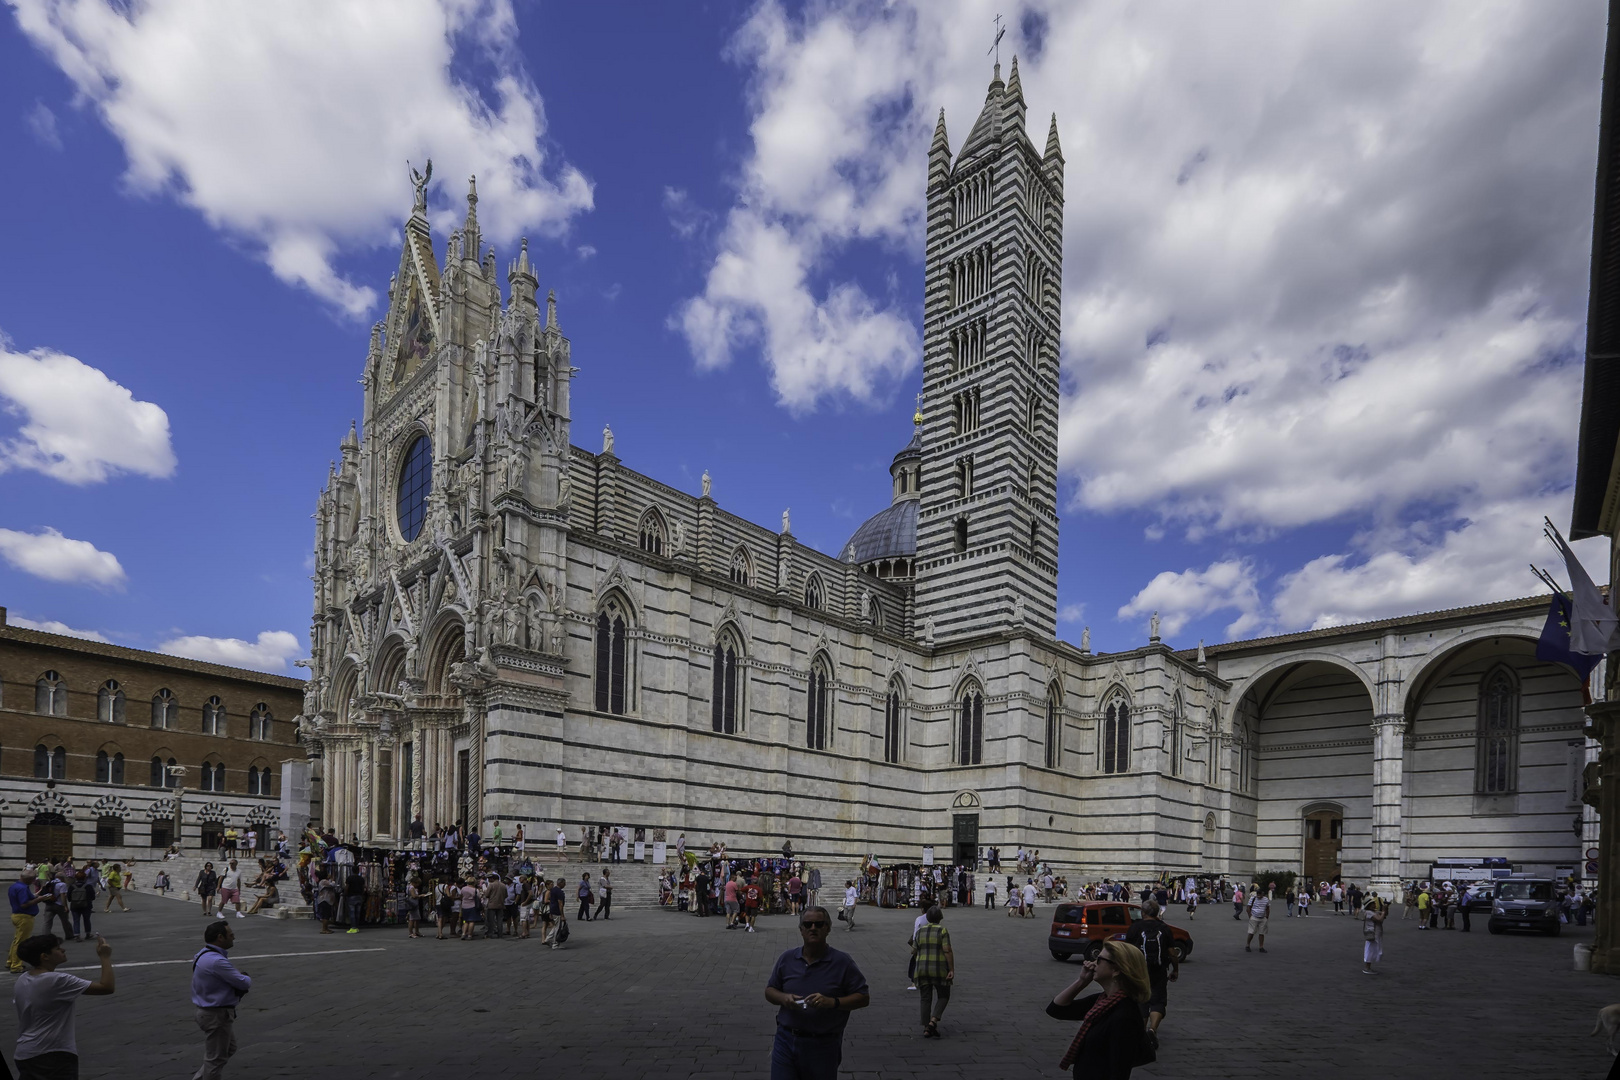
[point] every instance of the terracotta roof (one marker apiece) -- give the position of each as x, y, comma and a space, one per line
141, 656
1525, 603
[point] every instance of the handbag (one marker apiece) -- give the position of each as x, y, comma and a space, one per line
840, 914
562, 931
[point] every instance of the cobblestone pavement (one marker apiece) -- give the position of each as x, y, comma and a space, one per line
656, 994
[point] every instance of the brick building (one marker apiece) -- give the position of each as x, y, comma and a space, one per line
94, 738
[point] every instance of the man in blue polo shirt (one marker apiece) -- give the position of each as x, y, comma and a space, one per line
24, 906
815, 988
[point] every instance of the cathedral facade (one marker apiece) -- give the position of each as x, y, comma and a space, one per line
510, 627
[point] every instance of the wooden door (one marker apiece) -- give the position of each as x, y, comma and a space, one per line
50, 839
1324, 837
965, 839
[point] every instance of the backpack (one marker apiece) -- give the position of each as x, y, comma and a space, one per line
79, 895
1153, 947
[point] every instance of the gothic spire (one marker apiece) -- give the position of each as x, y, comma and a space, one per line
469, 229
939, 155
1052, 162
1013, 104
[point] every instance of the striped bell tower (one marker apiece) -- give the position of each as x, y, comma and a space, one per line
987, 530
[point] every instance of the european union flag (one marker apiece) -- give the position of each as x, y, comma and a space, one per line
1554, 642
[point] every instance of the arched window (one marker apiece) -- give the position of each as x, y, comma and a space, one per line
875, 611
741, 570
652, 532
818, 709
165, 710
725, 706
118, 768
258, 780
161, 777
412, 488
213, 717
1178, 736
50, 696
50, 764
259, 721
1116, 748
213, 777
110, 703
893, 724
103, 767
1054, 728
960, 542
970, 727
815, 594
1496, 768
1242, 756
612, 630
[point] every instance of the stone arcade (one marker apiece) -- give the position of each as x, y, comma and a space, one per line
510, 627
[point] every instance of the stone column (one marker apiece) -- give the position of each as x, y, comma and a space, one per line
1604, 726
1389, 747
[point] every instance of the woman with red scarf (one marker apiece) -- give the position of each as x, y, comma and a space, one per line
1112, 1038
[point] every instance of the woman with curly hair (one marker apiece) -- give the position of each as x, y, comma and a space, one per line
1112, 1038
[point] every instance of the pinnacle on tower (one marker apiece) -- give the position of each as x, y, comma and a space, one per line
520, 275
351, 441
551, 309
1052, 161
939, 155
469, 228
1013, 107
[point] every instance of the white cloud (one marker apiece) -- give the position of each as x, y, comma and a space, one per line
289, 124
1322, 262
1071, 613
42, 123
272, 652
1228, 585
78, 425
52, 626
53, 557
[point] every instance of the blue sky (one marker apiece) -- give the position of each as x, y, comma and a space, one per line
1323, 290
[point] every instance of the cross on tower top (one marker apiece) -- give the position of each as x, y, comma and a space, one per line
995, 46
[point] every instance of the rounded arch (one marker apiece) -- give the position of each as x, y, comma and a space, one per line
966, 799
1472, 645
1277, 674
389, 663
448, 646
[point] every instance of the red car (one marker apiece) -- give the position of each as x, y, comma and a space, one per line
1082, 928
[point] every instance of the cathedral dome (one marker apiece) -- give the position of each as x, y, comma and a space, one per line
891, 533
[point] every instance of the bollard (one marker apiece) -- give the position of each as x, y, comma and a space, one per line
1583, 956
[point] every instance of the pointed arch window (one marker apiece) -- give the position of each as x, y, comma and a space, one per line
110, 703
612, 632
818, 709
652, 533
1178, 735
213, 777
815, 594
1116, 748
893, 724
258, 780
1496, 769
50, 695
165, 710
109, 768
161, 776
213, 716
50, 764
725, 706
259, 721
970, 727
1054, 729
741, 571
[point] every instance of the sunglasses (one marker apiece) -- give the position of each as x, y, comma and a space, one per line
819, 924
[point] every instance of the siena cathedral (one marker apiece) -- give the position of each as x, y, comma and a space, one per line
511, 627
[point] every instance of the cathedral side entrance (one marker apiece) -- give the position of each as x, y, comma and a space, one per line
1324, 839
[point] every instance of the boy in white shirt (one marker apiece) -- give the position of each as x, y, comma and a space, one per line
45, 999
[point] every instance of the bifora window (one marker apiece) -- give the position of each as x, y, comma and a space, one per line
727, 681
970, 728
610, 659
1116, 748
816, 705
893, 729
415, 480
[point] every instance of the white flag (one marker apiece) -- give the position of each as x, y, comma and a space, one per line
1593, 624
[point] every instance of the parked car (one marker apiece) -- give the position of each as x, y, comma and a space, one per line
1525, 904
1081, 928
1484, 895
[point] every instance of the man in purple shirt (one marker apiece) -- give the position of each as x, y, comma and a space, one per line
815, 987
24, 906
216, 987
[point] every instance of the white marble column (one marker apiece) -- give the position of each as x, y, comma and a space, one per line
1389, 748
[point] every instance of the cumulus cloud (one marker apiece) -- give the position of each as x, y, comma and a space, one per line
288, 125
1322, 263
78, 426
1180, 597
271, 652
53, 557
52, 626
